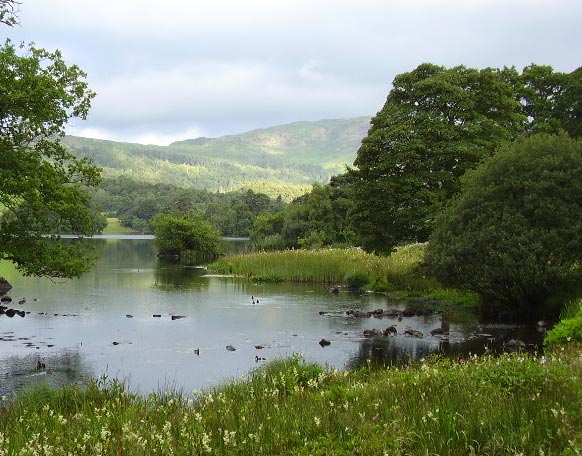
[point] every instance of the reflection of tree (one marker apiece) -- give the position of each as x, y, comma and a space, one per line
125, 253
390, 351
174, 275
64, 367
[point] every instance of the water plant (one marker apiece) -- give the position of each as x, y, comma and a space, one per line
401, 271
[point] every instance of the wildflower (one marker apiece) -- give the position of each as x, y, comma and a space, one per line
206, 442
228, 438
105, 433
317, 421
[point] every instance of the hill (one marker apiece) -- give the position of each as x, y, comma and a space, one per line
284, 159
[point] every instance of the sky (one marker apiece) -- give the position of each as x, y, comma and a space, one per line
177, 69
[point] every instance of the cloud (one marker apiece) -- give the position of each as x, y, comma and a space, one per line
214, 93
178, 67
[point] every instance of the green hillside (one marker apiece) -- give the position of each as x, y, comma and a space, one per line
283, 160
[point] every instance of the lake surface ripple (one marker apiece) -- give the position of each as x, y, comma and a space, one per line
159, 325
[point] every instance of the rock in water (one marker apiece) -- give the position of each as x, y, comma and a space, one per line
324, 342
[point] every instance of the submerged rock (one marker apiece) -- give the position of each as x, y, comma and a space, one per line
373, 333
413, 333
358, 313
230, 348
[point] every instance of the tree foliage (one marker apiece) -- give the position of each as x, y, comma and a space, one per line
41, 184
551, 100
316, 219
136, 204
8, 12
514, 234
185, 235
435, 125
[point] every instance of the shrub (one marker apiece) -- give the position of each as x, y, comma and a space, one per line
514, 234
176, 235
356, 280
569, 329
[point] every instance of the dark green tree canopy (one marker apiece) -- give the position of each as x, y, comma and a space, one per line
514, 234
188, 235
41, 184
435, 125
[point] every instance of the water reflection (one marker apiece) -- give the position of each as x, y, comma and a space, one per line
160, 323
59, 368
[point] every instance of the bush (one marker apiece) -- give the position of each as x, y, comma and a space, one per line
569, 329
514, 234
356, 280
185, 235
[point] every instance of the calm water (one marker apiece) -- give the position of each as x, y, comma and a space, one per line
104, 323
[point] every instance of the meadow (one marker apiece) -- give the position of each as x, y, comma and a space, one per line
514, 404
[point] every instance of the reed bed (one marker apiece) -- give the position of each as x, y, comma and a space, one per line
326, 265
513, 404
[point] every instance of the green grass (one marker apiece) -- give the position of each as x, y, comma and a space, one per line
325, 265
398, 272
569, 329
115, 227
513, 404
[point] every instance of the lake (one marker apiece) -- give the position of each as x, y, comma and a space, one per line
159, 325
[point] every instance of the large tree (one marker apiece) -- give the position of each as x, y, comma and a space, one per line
435, 125
41, 184
514, 233
551, 100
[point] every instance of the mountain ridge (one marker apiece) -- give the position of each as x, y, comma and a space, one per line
291, 156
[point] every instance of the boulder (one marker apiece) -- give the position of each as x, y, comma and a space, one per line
390, 330
373, 333
358, 313
5, 287
413, 333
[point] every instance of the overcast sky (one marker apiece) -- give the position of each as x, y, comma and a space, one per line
174, 69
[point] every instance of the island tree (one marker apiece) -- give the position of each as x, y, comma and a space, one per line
185, 235
41, 184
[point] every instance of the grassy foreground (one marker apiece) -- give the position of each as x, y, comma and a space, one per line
513, 404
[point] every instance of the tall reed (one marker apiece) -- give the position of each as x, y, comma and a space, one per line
324, 265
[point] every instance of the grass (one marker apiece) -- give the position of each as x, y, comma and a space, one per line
569, 329
115, 227
398, 272
325, 265
513, 404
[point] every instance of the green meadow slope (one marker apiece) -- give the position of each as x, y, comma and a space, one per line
284, 159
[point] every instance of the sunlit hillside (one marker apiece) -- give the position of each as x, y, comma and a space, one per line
283, 160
